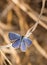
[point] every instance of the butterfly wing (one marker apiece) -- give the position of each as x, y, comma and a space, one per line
23, 46
16, 44
13, 36
27, 41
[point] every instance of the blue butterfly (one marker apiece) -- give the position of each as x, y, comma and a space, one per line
20, 41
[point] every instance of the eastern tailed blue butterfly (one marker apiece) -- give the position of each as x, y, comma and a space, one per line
19, 41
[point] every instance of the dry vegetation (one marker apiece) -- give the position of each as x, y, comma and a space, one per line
19, 17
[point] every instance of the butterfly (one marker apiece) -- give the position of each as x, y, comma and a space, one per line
20, 41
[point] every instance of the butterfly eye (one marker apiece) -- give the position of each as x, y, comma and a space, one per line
13, 36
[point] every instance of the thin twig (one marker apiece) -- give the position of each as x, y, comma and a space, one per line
32, 29
6, 27
32, 15
5, 11
5, 57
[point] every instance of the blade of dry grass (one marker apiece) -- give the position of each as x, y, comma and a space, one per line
5, 57
32, 15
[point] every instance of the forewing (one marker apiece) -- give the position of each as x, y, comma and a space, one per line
27, 41
23, 46
16, 44
13, 36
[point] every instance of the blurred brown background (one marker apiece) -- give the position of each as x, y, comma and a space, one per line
19, 18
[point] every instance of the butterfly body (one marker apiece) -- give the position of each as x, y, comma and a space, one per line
21, 38
20, 41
